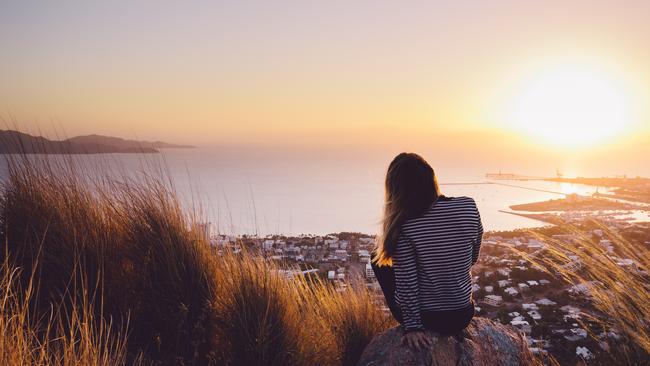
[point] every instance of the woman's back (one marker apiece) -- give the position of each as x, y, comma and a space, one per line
433, 258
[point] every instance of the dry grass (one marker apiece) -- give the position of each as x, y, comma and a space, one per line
353, 319
54, 338
116, 257
127, 246
260, 312
620, 293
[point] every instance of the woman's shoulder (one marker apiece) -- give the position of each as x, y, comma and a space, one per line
456, 200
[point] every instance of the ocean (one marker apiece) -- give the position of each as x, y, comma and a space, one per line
284, 192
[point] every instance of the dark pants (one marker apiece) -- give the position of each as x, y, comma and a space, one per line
448, 322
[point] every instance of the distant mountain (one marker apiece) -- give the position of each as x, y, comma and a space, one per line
14, 142
124, 144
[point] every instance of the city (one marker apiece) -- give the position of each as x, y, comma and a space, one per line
556, 316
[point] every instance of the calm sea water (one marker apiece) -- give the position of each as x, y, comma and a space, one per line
269, 192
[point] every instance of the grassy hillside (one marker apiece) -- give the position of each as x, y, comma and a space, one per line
110, 272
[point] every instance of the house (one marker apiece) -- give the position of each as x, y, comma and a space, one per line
607, 245
523, 325
369, 272
511, 291
584, 353
364, 256
534, 244
341, 254
571, 312
535, 315
529, 306
574, 265
367, 241
489, 289
580, 289
332, 242
493, 300
268, 244
576, 334
504, 271
545, 302
504, 283
522, 286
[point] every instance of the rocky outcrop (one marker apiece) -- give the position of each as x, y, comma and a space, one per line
484, 343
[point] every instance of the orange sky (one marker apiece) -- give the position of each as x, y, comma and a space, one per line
401, 75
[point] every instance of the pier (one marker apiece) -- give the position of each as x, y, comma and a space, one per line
502, 184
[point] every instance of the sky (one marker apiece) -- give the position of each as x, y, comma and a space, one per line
499, 77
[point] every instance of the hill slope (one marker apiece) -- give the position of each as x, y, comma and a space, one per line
123, 143
15, 142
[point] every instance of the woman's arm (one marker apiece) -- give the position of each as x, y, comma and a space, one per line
476, 246
406, 284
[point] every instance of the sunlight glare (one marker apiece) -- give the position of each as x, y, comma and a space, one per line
570, 106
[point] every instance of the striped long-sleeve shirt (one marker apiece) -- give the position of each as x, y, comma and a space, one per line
433, 258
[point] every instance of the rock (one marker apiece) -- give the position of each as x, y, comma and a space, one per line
485, 343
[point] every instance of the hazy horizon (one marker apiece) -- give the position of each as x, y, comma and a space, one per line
503, 80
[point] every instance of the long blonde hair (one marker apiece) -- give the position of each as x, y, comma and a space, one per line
411, 188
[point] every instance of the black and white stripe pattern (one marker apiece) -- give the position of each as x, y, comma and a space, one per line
434, 254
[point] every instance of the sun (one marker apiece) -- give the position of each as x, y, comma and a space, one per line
570, 106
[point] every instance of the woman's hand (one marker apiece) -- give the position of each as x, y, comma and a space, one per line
416, 340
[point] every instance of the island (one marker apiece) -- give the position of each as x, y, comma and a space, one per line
15, 142
575, 202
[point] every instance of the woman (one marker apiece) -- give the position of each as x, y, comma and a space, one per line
423, 259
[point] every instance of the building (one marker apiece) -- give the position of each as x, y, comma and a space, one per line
341, 254
364, 256
535, 315
545, 302
370, 274
584, 353
493, 300
529, 306
523, 325
268, 244
534, 244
